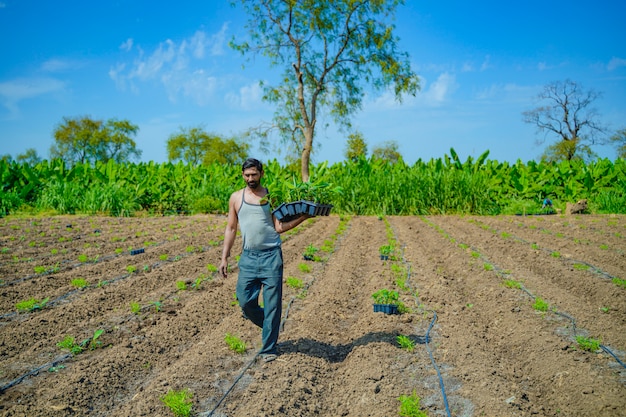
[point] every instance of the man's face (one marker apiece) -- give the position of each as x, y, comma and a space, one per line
252, 176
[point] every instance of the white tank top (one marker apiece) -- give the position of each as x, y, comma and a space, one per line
257, 226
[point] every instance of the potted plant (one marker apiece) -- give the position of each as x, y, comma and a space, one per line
309, 253
386, 301
385, 251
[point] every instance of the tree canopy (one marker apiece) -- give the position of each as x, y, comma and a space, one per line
388, 151
330, 51
619, 140
85, 140
195, 146
566, 114
356, 147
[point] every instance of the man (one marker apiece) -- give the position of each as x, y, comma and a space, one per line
261, 262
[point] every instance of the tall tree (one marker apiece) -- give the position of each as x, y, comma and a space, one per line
619, 140
330, 52
387, 151
569, 116
85, 140
356, 147
195, 146
29, 157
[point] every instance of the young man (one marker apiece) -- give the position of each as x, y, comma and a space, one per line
261, 262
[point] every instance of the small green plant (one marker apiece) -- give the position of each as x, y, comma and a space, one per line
31, 304
235, 344
556, 254
163, 257
587, 343
211, 268
541, 305
82, 258
179, 402
511, 283
385, 250
198, 282
488, 267
135, 307
581, 267
181, 285
157, 305
131, 269
310, 253
406, 342
119, 250
605, 310
304, 268
146, 268
295, 283
79, 282
385, 296
235, 300
475, 254
68, 343
619, 282
535, 246
410, 406
604, 247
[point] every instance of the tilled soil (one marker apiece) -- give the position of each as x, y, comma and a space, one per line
481, 348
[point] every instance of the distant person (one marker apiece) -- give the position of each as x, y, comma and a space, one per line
547, 203
261, 262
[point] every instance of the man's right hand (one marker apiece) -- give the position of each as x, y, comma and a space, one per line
223, 269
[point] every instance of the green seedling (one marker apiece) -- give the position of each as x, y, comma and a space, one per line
118, 251
605, 309
190, 249
385, 250
79, 282
619, 282
157, 305
511, 283
604, 247
295, 283
410, 406
235, 300
197, 283
463, 246
146, 268
556, 254
535, 246
581, 267
541, 305
94, 343
135, 307
475, 254
6, 250
235, 344
102, 283
488, 267
179, 402
68, 343
181, 285
163, 257
131, 269
385, 296
302, 294
587, 343
54, 251
310, 253
406, 343
211, 268
304, 268
31, 305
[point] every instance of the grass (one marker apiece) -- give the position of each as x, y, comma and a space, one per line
405, 343
410, 406
235, 344
179, 402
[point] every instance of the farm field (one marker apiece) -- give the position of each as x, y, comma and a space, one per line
472, 284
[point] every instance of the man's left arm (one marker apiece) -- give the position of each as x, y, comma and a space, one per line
282, 227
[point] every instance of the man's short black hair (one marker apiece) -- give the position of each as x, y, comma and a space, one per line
252, 162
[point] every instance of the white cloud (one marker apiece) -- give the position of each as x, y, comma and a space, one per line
616, 63
59, 65
249, 97
127, 45
431, 95
178, 66
486, 64
14, 91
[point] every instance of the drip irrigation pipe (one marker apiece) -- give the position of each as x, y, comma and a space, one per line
35, 372
427, 340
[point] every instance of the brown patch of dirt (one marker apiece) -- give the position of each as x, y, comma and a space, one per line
496, 355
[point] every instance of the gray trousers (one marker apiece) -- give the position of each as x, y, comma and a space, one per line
262, 269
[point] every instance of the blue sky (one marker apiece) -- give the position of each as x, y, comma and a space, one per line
164, 66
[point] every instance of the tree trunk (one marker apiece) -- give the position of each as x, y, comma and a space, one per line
306, 153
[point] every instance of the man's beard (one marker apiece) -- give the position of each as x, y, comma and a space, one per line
253, 184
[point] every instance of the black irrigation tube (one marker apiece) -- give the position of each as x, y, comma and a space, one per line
35, 372
245, 369
427, 337
499, 272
